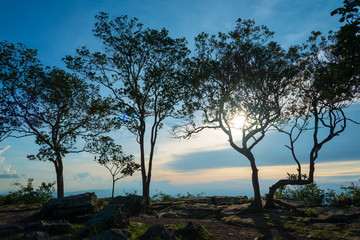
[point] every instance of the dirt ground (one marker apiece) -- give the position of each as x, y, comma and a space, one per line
227, 222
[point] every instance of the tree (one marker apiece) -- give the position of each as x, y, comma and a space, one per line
329, 84
347, 40
140, 69
16, 62
240, 73
320, 107
112, 157
54, 106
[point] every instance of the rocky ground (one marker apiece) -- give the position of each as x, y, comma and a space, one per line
222, 217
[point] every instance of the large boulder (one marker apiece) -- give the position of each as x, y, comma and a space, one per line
111, 216
51, 227
69, 207
131, 205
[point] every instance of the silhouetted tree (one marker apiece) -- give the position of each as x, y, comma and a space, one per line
54, 106
16, 62
347, 42
322, 99
239, 73
112, 157
139, 68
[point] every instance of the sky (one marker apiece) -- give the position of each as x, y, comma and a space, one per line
206, 163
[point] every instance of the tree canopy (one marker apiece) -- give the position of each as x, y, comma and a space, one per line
54, 106
240, 73
140, 67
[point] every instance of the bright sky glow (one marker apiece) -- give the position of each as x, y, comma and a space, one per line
238, 122
205, 163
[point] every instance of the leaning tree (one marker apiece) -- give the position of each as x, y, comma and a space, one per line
239, 74
54, 106
139, 69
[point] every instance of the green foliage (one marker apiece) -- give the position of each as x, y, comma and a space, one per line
133, 193
189, 195
162, 197
196, 233
137, 231
310, 212
112, 157
310, 192
349, 198
28, 195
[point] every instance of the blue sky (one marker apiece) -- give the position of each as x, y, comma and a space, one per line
203, 164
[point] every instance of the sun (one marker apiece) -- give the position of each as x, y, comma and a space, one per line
238, 122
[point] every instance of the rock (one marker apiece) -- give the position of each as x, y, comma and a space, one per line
227, 200
68, 207
194, 211
292, 203
193, 200
111, 216
51, 227
131, 205
7, 229
113, 234
36, 235
158, 232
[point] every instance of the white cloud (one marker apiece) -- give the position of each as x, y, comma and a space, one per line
5, 171
328, 169
3, 149
87, 178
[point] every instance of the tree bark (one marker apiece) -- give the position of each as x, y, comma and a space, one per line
113, 188
59, 177
255, 182
283, 182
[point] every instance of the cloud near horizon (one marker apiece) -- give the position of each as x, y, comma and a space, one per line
336, 171
5, 171
85, 177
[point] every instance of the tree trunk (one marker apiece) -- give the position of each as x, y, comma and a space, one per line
146, 193
113, 187
283, 182
59, 177
255, 181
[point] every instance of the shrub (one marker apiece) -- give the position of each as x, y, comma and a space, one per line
310, 192
189, 195
137, 231
162, 197
349, 198
28, 195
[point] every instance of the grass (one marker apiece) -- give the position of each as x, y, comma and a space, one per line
137, 231
338, 233
196, 232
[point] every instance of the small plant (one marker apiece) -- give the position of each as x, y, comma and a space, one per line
28, 195
162, 197
349, 198
310, 192
137, 231
128, 194
310, 212
190, 231
189, 195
